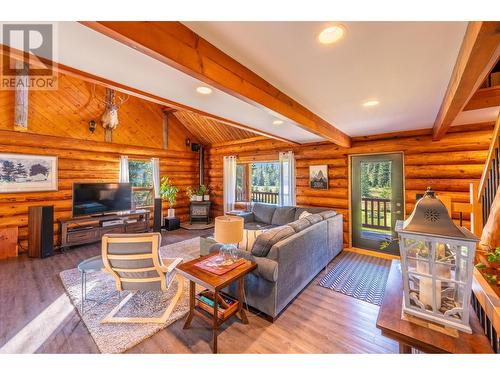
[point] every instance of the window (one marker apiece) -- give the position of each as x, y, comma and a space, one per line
141, 179
258, 182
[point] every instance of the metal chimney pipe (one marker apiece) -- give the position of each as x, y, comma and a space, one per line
202, 165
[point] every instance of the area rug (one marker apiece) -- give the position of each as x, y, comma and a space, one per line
360, 276
117, 338
197, 226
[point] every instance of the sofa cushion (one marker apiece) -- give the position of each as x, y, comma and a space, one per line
328, 214
283, 215
314, 218
266, 240
300, 225
263, 212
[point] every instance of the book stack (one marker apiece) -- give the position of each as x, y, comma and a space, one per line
226, 305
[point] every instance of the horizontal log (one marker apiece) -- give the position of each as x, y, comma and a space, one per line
471, 171
439, 184
440, 158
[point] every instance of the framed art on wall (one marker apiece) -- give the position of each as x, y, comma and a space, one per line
25, 173
318, 177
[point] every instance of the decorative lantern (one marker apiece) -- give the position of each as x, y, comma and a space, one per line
437, 263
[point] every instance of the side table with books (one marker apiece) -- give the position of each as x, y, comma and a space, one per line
212, 305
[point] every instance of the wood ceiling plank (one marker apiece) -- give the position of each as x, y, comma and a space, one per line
478, 54
176, 45
106, 83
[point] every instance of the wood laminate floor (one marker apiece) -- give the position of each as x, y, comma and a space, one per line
36, 316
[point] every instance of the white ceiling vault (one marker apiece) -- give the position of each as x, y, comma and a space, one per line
406, 66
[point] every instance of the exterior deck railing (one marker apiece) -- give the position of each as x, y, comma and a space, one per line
259, 197
376, 213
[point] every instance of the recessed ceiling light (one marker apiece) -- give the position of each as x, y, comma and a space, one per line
331, 34
371, 103
204, 90
277, 122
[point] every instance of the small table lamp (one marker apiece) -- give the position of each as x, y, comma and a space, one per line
228, 231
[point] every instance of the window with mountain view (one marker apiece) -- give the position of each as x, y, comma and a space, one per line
258, 182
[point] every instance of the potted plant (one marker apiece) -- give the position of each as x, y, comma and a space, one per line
169, 192
191, 193
489, 266
205, 192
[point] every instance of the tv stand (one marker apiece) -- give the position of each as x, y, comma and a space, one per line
89, 229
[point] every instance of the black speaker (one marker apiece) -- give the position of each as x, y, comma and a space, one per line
157, 215
41, 231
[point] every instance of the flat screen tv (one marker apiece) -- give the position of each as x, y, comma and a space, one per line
101, 198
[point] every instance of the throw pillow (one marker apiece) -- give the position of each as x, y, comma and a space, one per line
299, 225
304, 214
266, 240
314, 218
328, 214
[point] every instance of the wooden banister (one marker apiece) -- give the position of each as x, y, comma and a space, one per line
491, 155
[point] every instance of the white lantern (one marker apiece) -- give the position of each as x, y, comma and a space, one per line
437, 263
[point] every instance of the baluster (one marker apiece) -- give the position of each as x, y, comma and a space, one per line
371, 209
378, 212
385, 213
366, 211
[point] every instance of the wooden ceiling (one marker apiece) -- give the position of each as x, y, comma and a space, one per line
209, 131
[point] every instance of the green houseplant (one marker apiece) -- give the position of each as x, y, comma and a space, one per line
489, 266
168, 192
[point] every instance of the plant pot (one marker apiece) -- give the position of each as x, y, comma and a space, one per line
193, 198
206, 197
199, 198
171, 212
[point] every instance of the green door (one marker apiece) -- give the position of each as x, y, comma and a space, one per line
376, 200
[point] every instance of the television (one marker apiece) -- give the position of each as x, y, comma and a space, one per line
101, 198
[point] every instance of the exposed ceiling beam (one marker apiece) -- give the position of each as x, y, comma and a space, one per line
87, 77
484, 98
179, 47
478, 54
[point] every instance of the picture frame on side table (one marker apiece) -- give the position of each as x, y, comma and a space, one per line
21, 173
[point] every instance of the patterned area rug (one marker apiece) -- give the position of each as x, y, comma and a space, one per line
360, 276
117, 338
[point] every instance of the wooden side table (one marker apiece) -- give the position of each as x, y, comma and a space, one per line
215, 284
413, 334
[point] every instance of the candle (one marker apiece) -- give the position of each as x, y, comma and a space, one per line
425, 295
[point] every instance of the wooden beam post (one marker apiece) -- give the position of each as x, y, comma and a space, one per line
21, 97
179, 47
478, 54
167, 113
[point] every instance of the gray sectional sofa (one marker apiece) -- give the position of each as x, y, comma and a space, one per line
289, 254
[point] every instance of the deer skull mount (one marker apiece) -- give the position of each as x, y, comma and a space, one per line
109, 118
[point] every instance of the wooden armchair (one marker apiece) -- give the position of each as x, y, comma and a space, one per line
134, 262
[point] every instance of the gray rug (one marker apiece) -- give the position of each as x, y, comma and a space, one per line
360, 276
117, 338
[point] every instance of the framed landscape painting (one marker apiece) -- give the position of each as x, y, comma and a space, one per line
318, 177
25, 173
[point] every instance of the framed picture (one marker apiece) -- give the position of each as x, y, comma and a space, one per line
25, 173
318, 177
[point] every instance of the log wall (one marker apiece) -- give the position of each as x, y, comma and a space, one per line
448, 165
57, 126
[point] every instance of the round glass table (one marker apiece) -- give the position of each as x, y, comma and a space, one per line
86, 266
